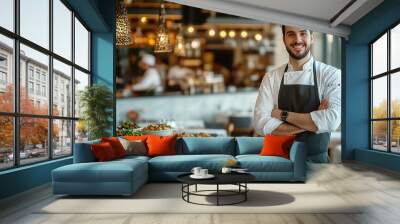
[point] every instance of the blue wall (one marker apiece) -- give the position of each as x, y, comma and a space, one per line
99, 16
356, 99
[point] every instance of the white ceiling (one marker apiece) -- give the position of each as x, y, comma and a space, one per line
317, 15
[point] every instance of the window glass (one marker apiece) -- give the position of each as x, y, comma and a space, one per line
39, 61
7, 14
35, 21
81, 45
6, 142
379, 135
379, 97
379, 56
395, 95
62, 91
33, 140
395, 47
395, 136
62, 138
62, 28
6, 74
81, 82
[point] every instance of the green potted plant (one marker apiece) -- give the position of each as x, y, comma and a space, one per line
96, 103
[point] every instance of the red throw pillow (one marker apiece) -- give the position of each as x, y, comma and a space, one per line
116, 145
103, 152
277, 145
161, 145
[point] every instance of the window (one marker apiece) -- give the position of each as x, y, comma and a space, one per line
46, 73
43, 90
62, 29
3, 78
30, 87
62, 74
37, 89
37, 74
30, 72
7, 14
6, 73
385, 96
3, 61
81, 45
34, 21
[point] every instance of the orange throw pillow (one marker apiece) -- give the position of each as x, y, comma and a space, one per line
161, 145
116, 145
103, 152
277, 145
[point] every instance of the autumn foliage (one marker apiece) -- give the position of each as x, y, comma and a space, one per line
33, 131
380, 127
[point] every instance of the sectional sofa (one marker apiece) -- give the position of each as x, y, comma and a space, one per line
125, 176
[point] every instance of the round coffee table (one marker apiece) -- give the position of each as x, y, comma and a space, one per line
238, 179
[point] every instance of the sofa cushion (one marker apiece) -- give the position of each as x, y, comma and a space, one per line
249, 145
201, 146
277, 145
185, 163
134, 147
103, 152
257, 163
116, 145
112, 171
161, 145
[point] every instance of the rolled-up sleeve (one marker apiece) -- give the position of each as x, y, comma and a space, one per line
263, 122
328, 120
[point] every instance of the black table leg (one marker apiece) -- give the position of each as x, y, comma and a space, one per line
196, 188
217, 194
245, 193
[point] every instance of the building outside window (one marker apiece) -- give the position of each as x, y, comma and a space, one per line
57, 135
385, 95
3, 72
30, 72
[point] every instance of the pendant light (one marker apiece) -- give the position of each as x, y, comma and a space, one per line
122, 26
162, 39
179, 49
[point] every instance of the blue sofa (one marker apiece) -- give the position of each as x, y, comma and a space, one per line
125, 176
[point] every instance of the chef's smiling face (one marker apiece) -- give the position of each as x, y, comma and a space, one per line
297, 41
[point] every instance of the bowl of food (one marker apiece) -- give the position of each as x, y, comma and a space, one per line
128, 128
158, 129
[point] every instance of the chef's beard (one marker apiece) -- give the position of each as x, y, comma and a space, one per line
298, 56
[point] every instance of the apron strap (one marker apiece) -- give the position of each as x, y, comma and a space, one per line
283, 76
316, 91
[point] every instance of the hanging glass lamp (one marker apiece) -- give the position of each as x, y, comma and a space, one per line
122, 26
162, 39
179, 49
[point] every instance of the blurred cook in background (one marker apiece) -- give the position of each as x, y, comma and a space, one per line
151, 80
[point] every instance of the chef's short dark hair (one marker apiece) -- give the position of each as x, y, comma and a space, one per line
283, 30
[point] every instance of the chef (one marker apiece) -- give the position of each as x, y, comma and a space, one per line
302, 97
151, 81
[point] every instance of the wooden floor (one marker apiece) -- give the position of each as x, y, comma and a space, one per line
378, 188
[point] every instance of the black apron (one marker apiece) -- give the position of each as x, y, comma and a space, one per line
305, 99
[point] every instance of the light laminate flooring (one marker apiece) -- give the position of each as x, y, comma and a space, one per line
377, 188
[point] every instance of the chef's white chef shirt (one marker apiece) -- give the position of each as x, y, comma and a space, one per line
151, 81
329, 87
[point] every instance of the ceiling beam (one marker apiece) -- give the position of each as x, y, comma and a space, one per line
267, 15
346, 12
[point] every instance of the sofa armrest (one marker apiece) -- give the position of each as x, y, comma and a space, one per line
298, 154
83, 152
